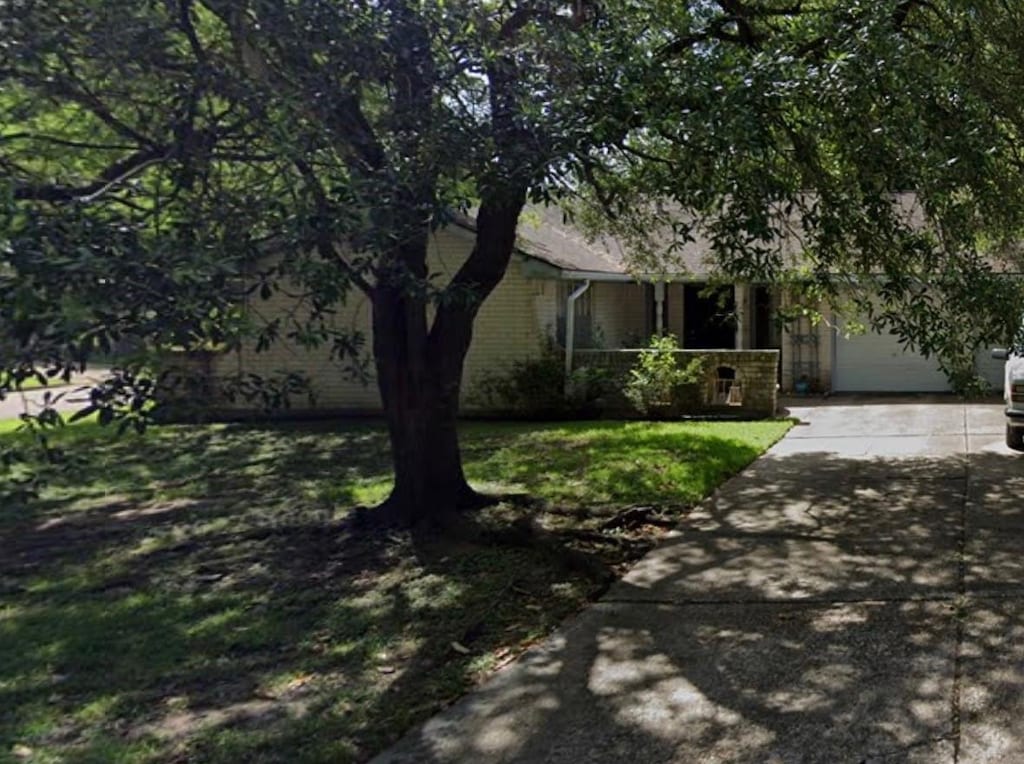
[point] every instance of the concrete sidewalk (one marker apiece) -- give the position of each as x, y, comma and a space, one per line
855, 595
73, 395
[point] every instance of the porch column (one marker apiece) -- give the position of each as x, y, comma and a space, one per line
659, 307
742, 300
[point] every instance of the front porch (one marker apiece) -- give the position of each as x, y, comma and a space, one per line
625, 314
607, 322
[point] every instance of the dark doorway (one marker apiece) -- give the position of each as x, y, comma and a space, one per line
709, 317
766, 330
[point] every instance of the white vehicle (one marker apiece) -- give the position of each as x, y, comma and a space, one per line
1013, 393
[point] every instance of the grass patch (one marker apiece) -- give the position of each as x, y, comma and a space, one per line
9, 425
196, 594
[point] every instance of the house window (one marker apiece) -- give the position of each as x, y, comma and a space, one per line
583, 314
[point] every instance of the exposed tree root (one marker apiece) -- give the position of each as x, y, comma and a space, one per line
634, 517
618, 540
392, 514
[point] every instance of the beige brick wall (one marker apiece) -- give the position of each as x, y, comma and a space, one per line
510, 326
545, 305
620, 312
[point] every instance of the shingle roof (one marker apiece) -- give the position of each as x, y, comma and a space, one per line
545, 234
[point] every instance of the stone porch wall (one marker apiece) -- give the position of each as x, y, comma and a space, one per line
756, 373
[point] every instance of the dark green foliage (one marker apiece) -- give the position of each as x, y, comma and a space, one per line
156, 154
538, 388
863, 152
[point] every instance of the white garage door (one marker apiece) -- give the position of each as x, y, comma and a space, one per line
991, 370
876, 363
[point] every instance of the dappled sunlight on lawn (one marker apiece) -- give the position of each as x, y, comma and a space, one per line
197, 593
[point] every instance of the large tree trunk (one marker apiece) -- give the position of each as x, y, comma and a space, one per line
421, 409
419, 366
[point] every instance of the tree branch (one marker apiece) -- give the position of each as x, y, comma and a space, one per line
81, 95
114, 175
65, 142
185, 22
715, 31
345, 119
324, 239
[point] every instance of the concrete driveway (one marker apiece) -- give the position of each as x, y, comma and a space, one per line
72, 397
855, 595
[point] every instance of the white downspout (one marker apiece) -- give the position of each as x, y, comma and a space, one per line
570, 327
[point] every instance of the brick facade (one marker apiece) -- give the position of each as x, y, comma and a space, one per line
514, 324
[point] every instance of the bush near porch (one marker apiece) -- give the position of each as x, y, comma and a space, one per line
600, 383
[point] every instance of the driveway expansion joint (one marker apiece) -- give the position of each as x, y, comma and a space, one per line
961, 584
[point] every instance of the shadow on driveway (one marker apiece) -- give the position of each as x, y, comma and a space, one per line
821, 607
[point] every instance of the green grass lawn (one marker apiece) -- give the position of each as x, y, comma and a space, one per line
199, 594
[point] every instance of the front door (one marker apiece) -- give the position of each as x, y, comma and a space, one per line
709, 317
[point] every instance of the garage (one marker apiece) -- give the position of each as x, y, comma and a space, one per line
989, 369
876, 363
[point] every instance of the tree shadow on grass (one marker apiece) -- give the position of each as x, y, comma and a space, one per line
275, 648
190, 595
123, 488
194, 595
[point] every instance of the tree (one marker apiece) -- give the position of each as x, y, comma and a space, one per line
166, 134
865, 151
157, 150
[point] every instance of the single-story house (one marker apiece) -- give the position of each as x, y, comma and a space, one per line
560, 280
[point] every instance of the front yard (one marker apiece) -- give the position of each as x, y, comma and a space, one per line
204, 594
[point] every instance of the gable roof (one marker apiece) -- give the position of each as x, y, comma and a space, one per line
544, 234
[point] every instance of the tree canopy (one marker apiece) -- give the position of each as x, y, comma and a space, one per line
154, 151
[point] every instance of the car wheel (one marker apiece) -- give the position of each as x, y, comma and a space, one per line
1015, 438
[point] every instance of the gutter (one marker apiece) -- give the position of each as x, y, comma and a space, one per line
598, 276
570, 328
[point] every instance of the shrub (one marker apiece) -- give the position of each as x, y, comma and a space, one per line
658, 386
537, 387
